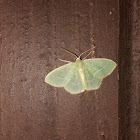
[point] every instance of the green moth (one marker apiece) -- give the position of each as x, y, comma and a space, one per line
83, 74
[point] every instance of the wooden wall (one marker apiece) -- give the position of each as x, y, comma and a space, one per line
129, 70
31, 32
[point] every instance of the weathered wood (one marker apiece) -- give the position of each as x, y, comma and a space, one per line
31, 32
129, 66
135, 98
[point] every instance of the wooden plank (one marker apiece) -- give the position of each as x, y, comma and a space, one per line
31, 32
129, 66
135, 98
124, 70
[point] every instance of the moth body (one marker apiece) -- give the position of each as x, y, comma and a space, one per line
80, 64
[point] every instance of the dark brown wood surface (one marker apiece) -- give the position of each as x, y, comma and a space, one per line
129, 70
31, 33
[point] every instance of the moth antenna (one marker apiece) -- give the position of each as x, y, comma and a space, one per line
85, 52
87, 55
69, 52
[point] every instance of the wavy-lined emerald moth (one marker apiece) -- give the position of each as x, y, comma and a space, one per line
83, 74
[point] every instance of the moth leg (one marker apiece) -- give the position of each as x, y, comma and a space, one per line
64, 61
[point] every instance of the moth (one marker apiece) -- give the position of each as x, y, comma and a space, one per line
83, 74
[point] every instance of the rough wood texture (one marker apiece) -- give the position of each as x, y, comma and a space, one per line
30, 33
129, 70
135, 98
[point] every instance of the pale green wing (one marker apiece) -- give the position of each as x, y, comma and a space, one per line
66, 76
91, 82
76, 84
60, 76
100, 67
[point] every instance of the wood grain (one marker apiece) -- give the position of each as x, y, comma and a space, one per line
31, 33
129, 74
